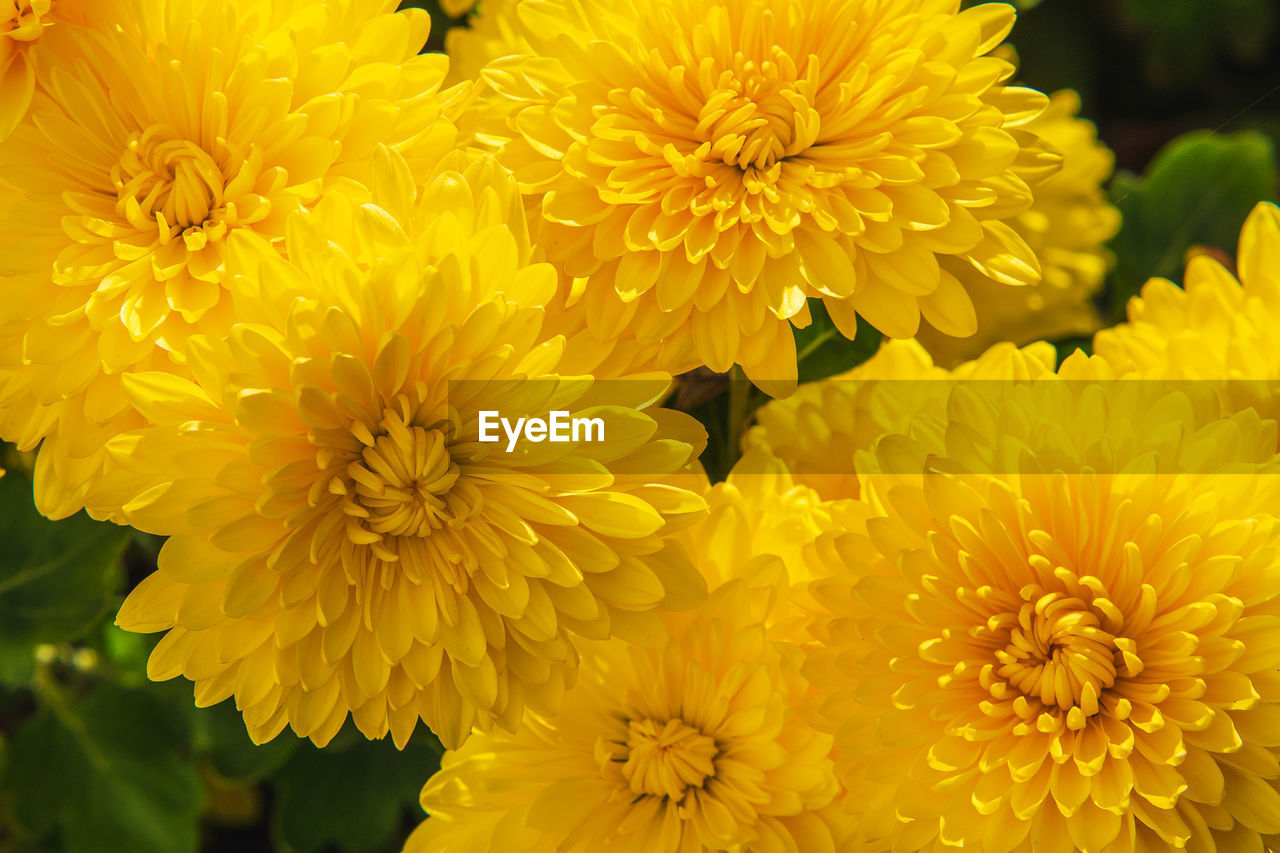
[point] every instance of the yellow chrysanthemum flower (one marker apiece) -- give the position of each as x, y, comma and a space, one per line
1066, 226
1217, 325
762, 514
22, 23
491, 32
342, 539
818, 430
1058, 631
145, 149
758, 509
706, 165
692, 745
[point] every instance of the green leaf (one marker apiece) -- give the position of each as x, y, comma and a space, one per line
821, 350
221, 736
28, 845
127, 652
109, 772
361, 798
36, 773
56, 577
17, 665
1198, 190
148, 544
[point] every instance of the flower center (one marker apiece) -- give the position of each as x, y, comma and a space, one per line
666, 759
163, 175
1058, 652
397, 486
759, 112
20, 20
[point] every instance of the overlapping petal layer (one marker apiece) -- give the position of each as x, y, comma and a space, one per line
491, 32
1066, 226
22, 23
1220, 325
705, 166
342, 540
146, 147
1057, 630
817, 431
692, 744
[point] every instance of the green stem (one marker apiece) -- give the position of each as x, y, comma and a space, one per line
739, 402
817, 341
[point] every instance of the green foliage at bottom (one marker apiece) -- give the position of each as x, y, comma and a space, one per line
107, 771
357, 795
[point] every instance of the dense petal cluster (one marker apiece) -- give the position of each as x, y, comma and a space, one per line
1066, 226
1057, 630
705, 166
342, 540
692, 744
145, 149
22, 23
759, 510
1219, 325
818, 430
761, 526
751, 548
269, 289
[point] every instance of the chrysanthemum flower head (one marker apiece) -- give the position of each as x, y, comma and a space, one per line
693, 745
1219, 325
1066, 226
342, 539
758, 510
818, 430
708, 165
1058, 629
761, 526
146, 147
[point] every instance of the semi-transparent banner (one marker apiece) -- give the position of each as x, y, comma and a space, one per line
878, 426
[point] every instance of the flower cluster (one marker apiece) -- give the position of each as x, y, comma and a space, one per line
267, 271
151, 140
340, 541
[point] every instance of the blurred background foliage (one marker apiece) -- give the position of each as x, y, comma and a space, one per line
96, 759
